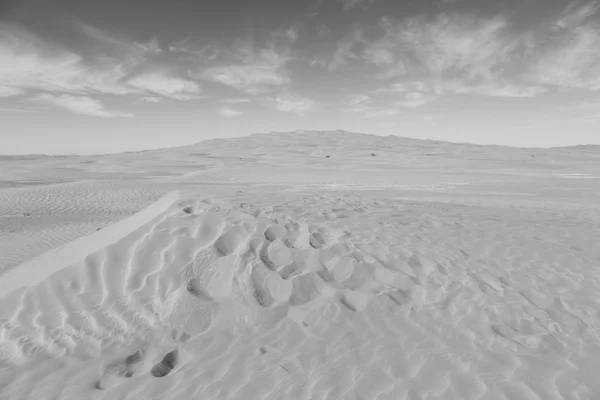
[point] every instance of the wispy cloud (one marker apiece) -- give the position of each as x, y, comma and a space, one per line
152, 46
7, 91
591, 110
346, 50
498, 89
363, 104
229, 112
200, 53
254, 70
372, 112
419, 93
576, 13
347, 4
591, 105
350, 4
164, 84
415, 99
572, 59
30, 64
79, 104
12, 110
464, 53
252, 79
294, 104
378, 55
26, 63
445, 44
235, 101
413, 93
356, 99
152, 99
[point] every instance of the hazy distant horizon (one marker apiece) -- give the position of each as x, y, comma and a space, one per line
106, 77
83, 154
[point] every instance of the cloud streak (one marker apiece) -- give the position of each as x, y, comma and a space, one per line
364, 105
80, 105
29, 65
423, 58
7, 91
254, 71
293, 104
348, 4
166, 85
229, 112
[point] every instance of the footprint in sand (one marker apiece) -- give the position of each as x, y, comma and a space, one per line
145, 360
133, 365
169, 362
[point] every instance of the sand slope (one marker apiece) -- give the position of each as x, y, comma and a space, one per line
281, 277
330, 297
47, 201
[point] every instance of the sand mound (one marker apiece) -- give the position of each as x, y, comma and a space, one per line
304, 284
194, 297
179, 270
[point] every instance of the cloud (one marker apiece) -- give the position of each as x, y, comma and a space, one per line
446, 44
591, 105
80, 105
200, 53
153, 46
229, 112
251, 79
576, 13
568, 54
464, 53
415, 99
235, 101
433, 56
502, 90
356, 99
13, 110
7, 91
166, 85
297, 105
381, 112
289, 35
418, 93
571, 60
152, 99
255, 71
347, 4
428, 57
591, 110
593, 117
363, 104
28, 63
377, 55
350, 4
413, 94
372, 111
71, 80
345, 50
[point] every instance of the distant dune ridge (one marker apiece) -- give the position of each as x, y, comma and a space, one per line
258, 268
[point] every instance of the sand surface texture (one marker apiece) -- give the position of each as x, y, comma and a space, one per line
260, 268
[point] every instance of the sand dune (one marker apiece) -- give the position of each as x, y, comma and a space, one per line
388, 280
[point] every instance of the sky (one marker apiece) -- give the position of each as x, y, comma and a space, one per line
82, 76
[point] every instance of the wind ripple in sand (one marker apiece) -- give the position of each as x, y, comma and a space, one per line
349, 298
34, 220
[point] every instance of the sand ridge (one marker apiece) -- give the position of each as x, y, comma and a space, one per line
347, 297
428, 270
47, 201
